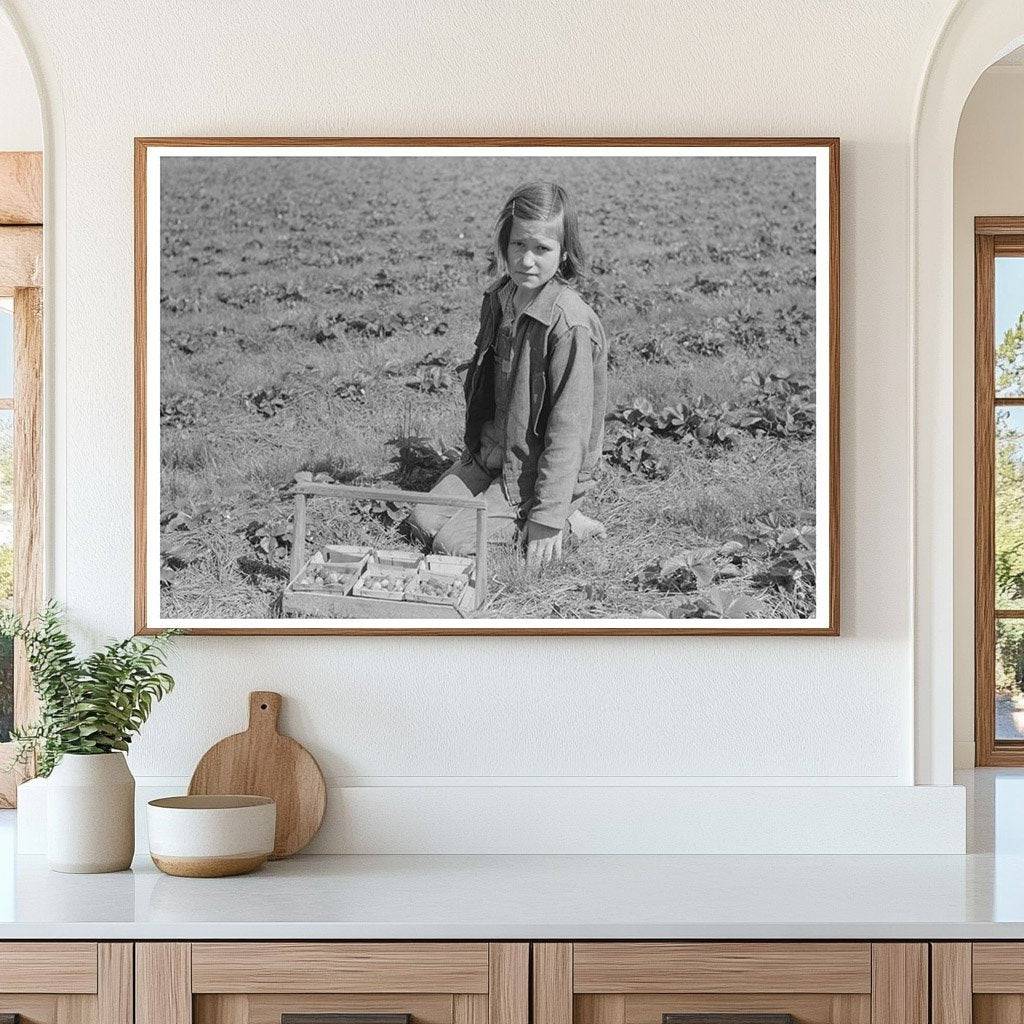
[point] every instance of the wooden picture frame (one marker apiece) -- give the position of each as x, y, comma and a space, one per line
824, 618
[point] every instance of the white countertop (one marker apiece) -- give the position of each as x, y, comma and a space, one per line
532, 897
977, 896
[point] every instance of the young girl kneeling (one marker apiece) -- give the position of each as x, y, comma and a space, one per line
536, 391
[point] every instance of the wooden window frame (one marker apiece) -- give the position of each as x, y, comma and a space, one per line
21, 277
993, 236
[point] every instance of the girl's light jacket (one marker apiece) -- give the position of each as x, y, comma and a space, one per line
559, 392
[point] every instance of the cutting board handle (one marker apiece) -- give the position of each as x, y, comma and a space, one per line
264, 709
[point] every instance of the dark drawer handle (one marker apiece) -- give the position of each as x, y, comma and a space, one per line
341, 1018
728, 1018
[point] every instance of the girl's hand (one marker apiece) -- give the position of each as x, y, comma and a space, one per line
543, 545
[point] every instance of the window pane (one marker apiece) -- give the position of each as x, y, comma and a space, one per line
1009, 486
6, 348
1009, 679
1009, 323
6, 567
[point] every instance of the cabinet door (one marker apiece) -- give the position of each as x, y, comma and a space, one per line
306, 982
981, 982
748, 982
66, 982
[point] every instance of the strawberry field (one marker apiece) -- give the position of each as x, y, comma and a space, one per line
314, 312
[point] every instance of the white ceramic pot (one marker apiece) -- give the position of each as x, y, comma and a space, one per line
90, 814
211, 836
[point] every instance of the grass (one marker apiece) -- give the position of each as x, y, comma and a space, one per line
314, 310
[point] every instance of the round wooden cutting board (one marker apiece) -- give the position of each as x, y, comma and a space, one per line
262, 762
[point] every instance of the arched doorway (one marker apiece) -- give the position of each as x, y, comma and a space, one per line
976, 33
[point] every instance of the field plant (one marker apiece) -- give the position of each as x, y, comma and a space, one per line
316, 316
90, 705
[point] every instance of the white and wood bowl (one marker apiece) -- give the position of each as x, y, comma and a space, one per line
211, 836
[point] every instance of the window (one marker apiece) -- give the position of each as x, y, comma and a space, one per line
6, 510
20, 504
999, 490
21, 349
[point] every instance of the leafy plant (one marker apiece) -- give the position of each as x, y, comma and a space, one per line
179, 544
267, 402
718, 603
709, 342
747, 330
325, 328
777, 404
419, 462
708, 285
784, 402
384, 513
795, 323
272, 541
179, 411
353, 390
783, 557
653, 350
430, 380
90, 705
371, 327
628, 447
681, 573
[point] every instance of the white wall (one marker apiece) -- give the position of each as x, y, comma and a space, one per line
21, 125
444, 713
988, 181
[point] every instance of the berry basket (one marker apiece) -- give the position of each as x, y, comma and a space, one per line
450, 565
398, 559
344, 581
438, 588
384, 584
321, 576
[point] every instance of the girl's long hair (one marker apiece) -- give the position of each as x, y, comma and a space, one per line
540, 201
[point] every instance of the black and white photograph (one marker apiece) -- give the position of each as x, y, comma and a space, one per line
452, 386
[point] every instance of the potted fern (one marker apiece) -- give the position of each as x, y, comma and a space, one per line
89, 709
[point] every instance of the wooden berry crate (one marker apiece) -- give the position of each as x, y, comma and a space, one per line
399, 578
415, 592
318, 563
322, 604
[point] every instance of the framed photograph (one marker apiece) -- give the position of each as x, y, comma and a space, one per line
487, 386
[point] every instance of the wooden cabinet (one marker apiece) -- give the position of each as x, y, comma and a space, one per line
647, 982
66, 982
260, 982
494, 983
981, 982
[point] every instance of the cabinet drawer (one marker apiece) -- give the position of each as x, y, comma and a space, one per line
634, 967
749, 982
339, 967
48, 967
260, 982
66, 982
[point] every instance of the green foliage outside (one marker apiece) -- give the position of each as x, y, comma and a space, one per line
1009, 510
90, 705
6, 573
6, 688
